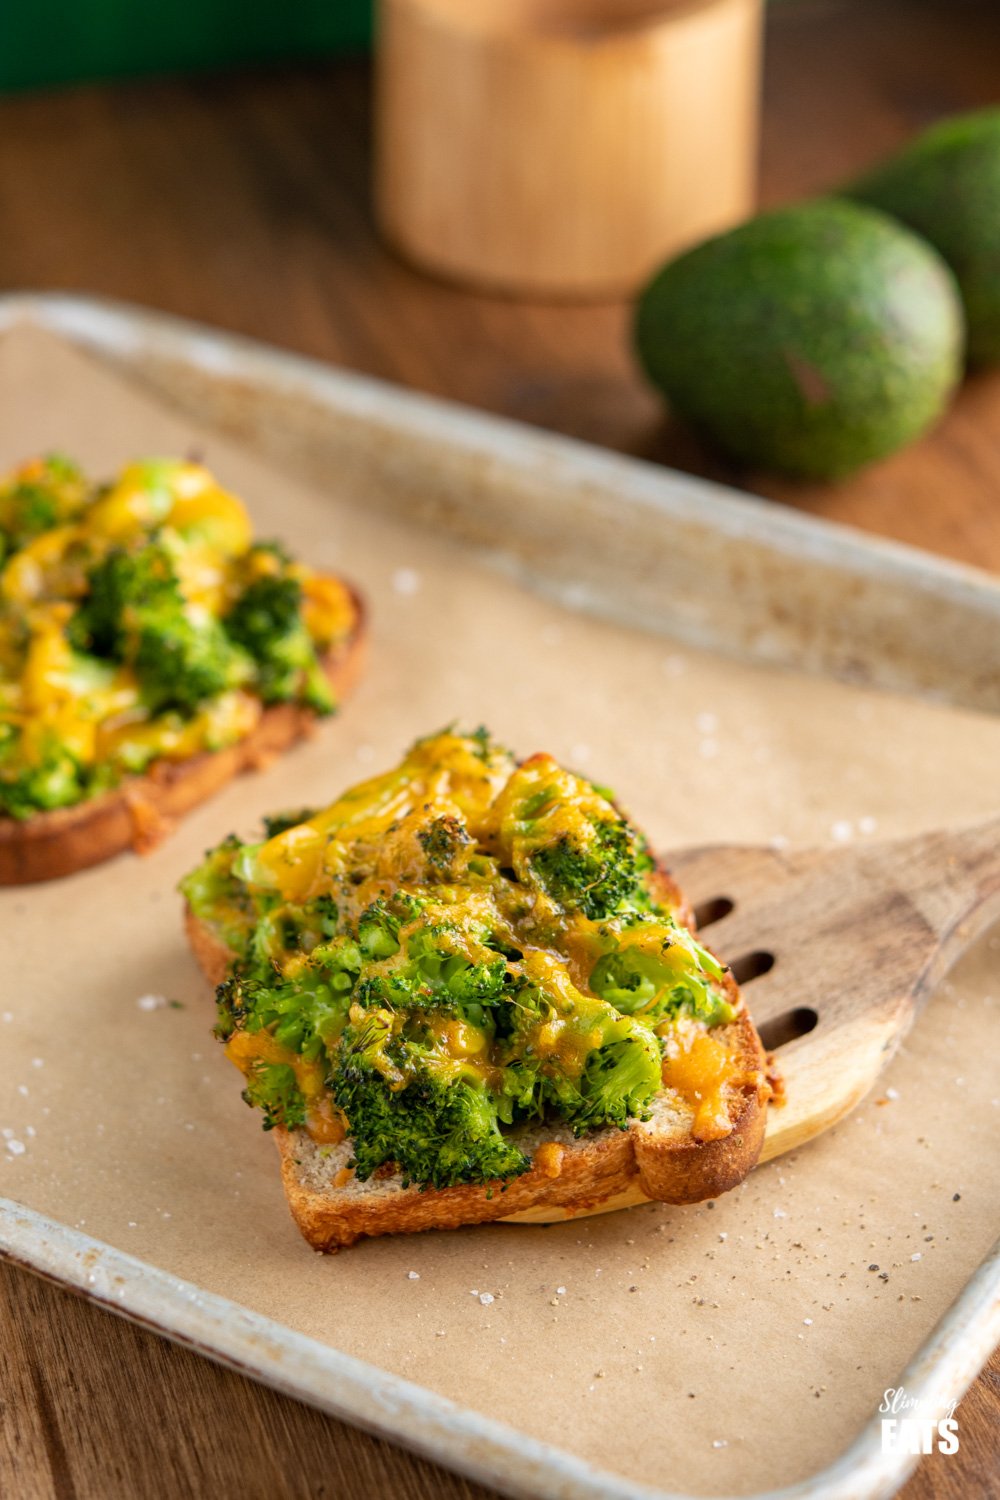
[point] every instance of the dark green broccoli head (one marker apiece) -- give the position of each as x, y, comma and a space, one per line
123, 589
438, 1129
594, 873
135, 612
267, 622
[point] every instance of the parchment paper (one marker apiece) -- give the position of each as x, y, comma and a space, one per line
727, 1347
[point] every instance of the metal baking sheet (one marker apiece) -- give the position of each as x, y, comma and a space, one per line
589, 530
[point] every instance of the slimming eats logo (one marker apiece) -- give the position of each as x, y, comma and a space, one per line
911, 1425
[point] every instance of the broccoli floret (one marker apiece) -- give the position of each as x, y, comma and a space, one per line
596, 875
438, 1130
273, 1088
305, 1015
53, 778
121, 590
638, 982
45, 493
619, 1080
267, 622
216, 897
430, 975
135, 612
446, 843
181, 664
580, 1058
378, 932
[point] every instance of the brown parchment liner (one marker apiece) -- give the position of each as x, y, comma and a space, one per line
730, 1347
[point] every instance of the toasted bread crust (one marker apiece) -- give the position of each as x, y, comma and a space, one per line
659, 1156
142, 810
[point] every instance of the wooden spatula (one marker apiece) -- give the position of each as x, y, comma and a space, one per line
836, 950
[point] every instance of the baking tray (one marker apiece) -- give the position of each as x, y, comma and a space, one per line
603, 535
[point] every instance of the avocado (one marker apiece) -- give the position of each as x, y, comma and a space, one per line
946, 185
810, 340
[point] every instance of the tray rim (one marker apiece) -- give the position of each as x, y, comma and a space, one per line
413, 1417
351, 1389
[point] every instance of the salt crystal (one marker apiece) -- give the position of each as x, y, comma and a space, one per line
916, 1255
807, 1322
406, 581
486, 1298
560, 1291
151, 1002
892, 1093
719, 1443
413, 1275
16, 1148
22, 1089
38, 1062
841, 831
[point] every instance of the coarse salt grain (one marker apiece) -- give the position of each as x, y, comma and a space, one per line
16, 1148
916, 1255
406, 581
413, 1275
151, 1002
560, 1291
841, 831
486, 1298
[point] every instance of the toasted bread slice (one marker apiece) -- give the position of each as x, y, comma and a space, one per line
659, 1156
141, 811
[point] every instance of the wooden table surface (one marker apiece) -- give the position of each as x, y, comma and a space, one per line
244, 202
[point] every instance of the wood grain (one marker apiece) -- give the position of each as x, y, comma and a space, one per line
661, 153
244, 202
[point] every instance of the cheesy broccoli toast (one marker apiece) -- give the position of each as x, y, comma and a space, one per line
465, 988
144, 631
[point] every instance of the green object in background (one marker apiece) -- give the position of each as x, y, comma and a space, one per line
811, 340
946, 185
68, 41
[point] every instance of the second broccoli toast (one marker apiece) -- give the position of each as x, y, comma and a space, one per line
150, 649
465, 989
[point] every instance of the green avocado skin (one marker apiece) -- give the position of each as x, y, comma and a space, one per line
809, 341
946, 185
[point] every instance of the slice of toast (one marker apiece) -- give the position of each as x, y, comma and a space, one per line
141, 810
659, 1156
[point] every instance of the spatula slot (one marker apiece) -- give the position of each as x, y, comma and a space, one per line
712, 911
787, 1027
752, 965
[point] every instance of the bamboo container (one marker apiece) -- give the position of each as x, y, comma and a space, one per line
563, 147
